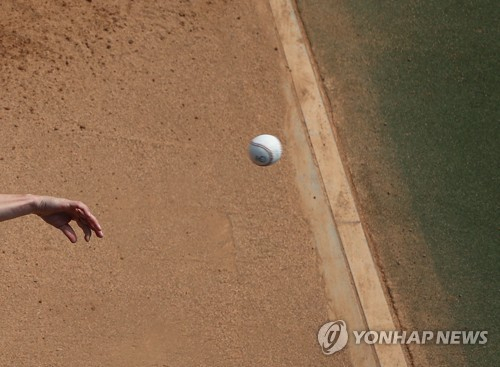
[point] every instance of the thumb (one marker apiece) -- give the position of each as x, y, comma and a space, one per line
68, 232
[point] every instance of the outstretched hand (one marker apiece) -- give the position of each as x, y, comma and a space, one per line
59, 212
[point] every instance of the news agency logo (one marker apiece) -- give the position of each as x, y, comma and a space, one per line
333, 337
421, 337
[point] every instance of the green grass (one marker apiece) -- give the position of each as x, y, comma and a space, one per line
435, 68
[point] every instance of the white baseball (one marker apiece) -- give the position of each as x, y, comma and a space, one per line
265, 150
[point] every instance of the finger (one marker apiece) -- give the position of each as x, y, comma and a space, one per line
84, 211
68, 232
96, 228
85, 228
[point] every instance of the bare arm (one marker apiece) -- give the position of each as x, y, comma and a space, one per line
13, 206
57, 212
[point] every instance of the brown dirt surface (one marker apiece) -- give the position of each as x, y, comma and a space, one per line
143, 110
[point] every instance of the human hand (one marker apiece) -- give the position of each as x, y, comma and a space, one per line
59, 212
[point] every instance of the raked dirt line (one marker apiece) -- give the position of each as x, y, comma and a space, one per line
360, 261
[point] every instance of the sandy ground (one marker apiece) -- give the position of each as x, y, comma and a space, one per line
143, 110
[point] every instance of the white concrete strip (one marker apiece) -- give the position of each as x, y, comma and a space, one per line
342, 297
360, 261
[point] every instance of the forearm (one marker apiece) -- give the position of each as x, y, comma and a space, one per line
13, 206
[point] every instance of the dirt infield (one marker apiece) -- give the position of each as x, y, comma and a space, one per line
143, 110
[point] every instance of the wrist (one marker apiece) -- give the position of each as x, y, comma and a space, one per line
32, 203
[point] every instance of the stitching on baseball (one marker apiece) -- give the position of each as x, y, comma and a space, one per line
267, 150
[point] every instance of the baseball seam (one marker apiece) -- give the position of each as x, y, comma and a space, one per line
269, 151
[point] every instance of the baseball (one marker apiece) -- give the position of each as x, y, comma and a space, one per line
265, 150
